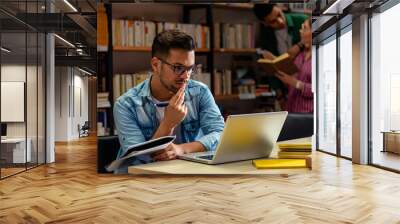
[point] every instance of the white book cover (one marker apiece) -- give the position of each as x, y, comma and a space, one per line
150, 33
147, 147
123, 33
169, 26
131, 34
139, 33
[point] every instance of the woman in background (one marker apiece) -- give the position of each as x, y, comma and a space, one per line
300, 96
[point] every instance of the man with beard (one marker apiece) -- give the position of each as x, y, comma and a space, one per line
168, 103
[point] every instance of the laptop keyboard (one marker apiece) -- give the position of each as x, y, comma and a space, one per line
207, 157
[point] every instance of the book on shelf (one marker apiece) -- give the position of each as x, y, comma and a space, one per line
139, 33
282, 63
124, 82
234, 36
247, 89
102, 100
222, 82
202, 77
143, 148
236, 5
102, 32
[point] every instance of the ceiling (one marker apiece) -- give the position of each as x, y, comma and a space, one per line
78, 27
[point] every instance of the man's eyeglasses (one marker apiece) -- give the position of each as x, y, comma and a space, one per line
180, 69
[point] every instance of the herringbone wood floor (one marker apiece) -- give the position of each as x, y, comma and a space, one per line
70, 191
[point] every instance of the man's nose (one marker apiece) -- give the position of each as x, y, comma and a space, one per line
185, 74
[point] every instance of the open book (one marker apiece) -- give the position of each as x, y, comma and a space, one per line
150, 146
283, 63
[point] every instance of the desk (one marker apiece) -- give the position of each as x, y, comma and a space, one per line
13, 150
182, 167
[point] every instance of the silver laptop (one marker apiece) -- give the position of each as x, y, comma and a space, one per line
245, 137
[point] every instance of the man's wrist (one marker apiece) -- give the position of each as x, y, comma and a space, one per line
167, 126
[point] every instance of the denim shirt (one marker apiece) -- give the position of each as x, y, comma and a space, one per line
136, 120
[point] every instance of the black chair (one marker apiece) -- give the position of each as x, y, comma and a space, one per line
107, 151
84, 130
297, 125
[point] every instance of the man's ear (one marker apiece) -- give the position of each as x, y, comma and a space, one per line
155, 64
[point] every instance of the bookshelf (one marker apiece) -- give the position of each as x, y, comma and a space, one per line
235, 50
220, 40
148, 49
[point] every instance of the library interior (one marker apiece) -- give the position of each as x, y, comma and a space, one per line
172, 111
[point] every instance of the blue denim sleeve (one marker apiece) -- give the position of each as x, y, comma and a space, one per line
211, 120
126, 123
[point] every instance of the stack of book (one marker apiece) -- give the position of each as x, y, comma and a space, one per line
222, 82
294, 151
235, 36
102, 100
124, 82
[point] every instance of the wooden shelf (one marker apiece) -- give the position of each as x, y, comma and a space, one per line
147, 49
219, 50
136, 49
235, 50
232, 97
236, 97
241, 6
227, 97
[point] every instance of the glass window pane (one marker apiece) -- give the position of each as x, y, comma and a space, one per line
14, 152
385, 86
327, 96
346, 94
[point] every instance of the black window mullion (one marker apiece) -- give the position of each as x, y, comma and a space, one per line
338, 94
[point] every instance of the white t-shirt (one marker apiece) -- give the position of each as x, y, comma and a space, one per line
160, 116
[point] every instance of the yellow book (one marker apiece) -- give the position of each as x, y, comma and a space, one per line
282, 163
295, 145
294, 153
282, 63
292, 157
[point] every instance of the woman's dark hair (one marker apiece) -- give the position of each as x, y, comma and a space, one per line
262, 10
171, 39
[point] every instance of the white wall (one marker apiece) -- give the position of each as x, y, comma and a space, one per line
71, 94
33, 127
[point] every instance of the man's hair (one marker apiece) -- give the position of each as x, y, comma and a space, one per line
262, 10
171, 39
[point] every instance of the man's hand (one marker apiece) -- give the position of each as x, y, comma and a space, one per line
176, 111
287, 79
169, 153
